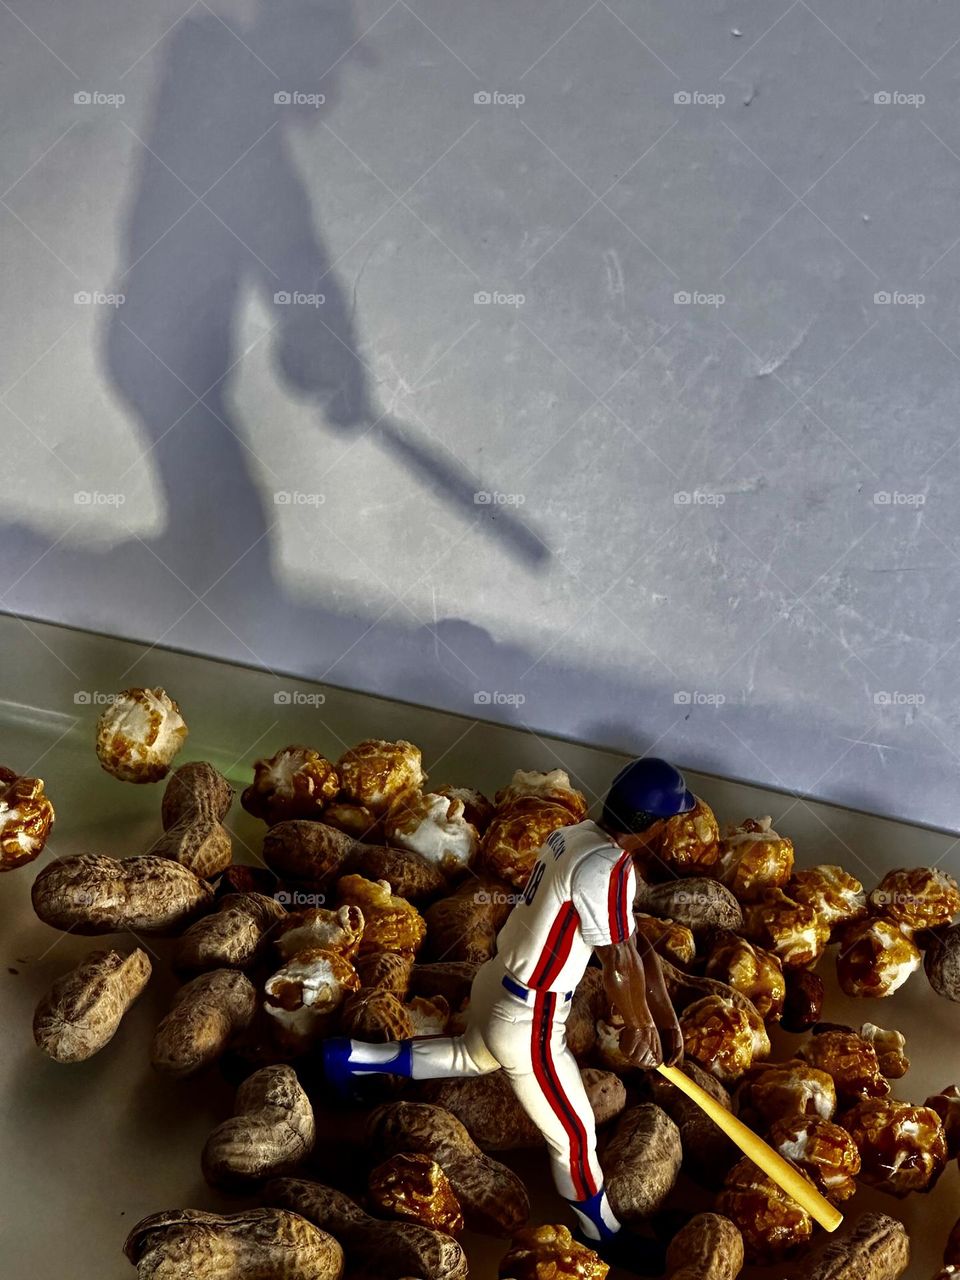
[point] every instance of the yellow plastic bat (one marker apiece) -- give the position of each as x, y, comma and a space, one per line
763, 1156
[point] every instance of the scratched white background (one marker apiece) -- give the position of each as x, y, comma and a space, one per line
685, 545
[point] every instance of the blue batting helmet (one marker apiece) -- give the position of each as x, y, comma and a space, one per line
643, 792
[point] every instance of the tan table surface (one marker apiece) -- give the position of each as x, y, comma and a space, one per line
90, 1149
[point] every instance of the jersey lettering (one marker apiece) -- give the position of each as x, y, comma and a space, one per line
578, 896
555, 841
533, 884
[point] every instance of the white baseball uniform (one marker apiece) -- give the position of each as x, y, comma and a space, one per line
579, 896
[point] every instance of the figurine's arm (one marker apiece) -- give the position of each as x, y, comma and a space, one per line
661, 1006
604, 895
634, 984
624, 980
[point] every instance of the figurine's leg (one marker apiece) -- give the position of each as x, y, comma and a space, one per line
426, 1057
547, 1082
439, 1057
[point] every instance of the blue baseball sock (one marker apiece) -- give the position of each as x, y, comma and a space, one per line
344, 1060
597, 1219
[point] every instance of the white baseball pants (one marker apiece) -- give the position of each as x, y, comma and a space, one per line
525, 1035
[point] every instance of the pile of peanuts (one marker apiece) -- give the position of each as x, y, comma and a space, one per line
376, 901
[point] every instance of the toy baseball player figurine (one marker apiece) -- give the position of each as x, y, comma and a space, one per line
577, 902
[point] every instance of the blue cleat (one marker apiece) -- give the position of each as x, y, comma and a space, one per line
335, 1057
344, 1065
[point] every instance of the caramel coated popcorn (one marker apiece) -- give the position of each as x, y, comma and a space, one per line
790, 1090
946, 1104
756, 973
296, 782
916, 897
429, 1015
550, 1253
723, 1038
834, 894
902, 1147
875, 958
514, 837
794, 931
891, 1049
303, 995
412, 1187
773, 1225
338, 931
376, 773
26, 816
477, 809
668, 938
803, 1003
687, 844
390, 923
753, 857
138, 735
850, 1060
825, 1152
553, 788
434, 826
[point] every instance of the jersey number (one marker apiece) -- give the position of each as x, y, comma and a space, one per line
533, 884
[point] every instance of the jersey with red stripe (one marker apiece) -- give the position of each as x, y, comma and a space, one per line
579, 896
